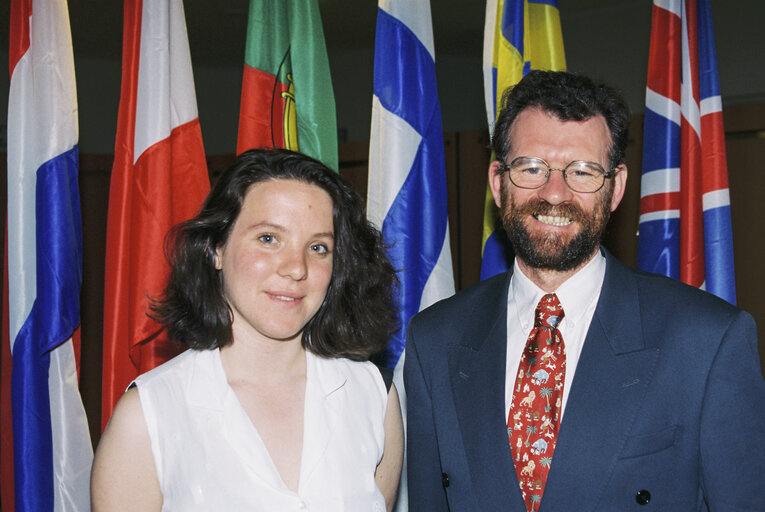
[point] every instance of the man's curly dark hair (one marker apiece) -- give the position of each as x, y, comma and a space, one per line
569, 97
358, 314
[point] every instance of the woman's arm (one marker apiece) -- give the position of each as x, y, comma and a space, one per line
388, 470
124, 476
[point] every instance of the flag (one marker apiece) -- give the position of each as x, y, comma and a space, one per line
406, 189
159, 178
685, 217
287, 98
519, 35
51, 442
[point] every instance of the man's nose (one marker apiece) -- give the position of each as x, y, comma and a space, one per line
555, 190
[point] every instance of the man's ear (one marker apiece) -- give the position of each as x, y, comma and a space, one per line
620, 185
495, 181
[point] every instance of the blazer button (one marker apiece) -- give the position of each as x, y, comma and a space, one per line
643, 497
445, 480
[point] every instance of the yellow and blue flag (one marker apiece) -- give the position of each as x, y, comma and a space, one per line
519, 35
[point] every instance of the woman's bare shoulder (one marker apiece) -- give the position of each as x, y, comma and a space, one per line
124, 476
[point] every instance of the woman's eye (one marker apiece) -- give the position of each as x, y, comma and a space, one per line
267, 238
320, 248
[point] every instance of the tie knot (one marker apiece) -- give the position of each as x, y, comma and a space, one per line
549, 312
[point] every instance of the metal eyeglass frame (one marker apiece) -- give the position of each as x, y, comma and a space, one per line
606, 174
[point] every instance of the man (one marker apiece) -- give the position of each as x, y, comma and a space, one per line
573, 383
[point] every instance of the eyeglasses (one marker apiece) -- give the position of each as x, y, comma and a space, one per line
580, 176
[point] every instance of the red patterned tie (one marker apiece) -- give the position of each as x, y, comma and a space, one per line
532, 425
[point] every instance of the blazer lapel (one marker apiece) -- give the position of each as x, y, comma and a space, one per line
612, 375
477, 370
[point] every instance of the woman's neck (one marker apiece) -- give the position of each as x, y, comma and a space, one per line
273, 361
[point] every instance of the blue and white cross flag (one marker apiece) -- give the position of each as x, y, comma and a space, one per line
406, 192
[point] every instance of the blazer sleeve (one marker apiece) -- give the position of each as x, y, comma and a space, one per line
732, 434
424, 479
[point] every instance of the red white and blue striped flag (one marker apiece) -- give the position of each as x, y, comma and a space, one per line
685, 217
51, 443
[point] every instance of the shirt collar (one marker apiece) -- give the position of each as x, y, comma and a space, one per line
208, 382
329, 377
575, 294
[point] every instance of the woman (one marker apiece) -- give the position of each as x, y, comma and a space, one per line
280, 288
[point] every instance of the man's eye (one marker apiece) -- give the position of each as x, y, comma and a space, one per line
581, 173
532, 171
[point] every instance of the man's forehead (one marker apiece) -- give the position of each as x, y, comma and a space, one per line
536, 111
536, 126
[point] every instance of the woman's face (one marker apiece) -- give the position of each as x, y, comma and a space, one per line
277, 261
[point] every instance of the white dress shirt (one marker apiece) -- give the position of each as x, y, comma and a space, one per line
578, 296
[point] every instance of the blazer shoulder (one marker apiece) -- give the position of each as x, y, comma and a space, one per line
659, 295
483, 295
662, 288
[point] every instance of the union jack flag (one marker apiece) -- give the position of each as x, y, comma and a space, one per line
685, 217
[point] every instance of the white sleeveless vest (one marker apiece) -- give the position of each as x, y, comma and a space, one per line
209, 456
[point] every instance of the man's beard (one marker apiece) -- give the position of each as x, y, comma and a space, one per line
549, 251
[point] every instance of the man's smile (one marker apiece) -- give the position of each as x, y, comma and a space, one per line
553, 220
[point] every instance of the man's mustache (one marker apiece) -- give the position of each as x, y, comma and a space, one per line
542, 207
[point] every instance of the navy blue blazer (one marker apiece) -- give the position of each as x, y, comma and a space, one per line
668, 402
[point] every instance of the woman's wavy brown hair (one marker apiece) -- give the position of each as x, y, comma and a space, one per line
358, 314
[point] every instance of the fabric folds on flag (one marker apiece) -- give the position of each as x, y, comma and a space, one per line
287, 97
51, 442
159, 178
406, 190
406, 194
519, 35
685, 216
